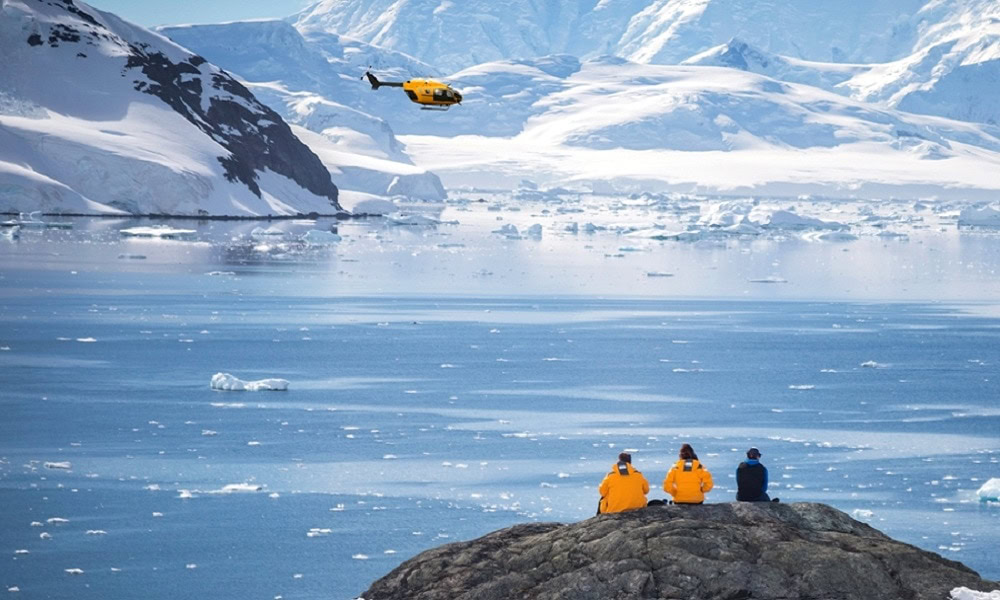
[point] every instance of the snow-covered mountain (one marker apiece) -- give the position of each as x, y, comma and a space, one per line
612, 125
314, 82
953, 72
455, 35
938, 57
98, 115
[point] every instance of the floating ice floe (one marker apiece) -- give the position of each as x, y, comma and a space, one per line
802, 387
976, 216
658, 274
227, 382
74, 571
964, 593
768, 279
786, 219
266, 233
59, 465
990, 491
871, 364
509, 231
96, 532
158, 231
34, 220
57, 521
317, 532
318, 237
410, 220
238, 488
829, 236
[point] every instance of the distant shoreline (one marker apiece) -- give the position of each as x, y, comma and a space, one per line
343, 216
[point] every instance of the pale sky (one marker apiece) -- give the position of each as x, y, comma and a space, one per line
173, 12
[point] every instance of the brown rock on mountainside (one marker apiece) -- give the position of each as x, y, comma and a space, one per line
736, 551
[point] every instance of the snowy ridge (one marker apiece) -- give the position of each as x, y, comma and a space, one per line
928, 56
148, 128
314, 82
612, 126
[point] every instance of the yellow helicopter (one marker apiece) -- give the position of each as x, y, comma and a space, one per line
429, 94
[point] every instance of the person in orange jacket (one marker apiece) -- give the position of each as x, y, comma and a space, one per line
688, 480
623, 488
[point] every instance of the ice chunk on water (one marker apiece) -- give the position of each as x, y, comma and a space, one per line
509, 231
862, 514
225, 381
58, 465
317, 237
74, 571
233, 488
986, 216
158, 231
990, 491
871, 364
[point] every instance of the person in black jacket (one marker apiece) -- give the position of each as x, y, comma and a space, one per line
751, 479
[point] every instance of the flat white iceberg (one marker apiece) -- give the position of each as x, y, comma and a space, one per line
58, 465
227, 382
990, 491
233, 488
158, 231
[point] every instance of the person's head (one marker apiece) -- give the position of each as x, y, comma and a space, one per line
625, 457
687, 452
753, 453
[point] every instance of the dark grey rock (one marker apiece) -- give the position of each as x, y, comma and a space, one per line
736, 551
255, 137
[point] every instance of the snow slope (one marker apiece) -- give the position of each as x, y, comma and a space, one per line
455, 35
101, 116
632, 127
939, 57
314, 82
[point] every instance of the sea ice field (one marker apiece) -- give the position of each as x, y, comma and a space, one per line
274, 410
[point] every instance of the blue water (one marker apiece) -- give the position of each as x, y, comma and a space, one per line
419, 415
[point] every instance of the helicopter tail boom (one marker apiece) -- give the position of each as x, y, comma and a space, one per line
376, 84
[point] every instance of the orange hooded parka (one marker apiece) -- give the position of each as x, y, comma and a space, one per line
688, 481
623, 492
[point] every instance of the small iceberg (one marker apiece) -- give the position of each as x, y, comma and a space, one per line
990, 491
985, 216
270, 232
163, 232
229, 383
237, 488
411, 220
317, 237
34, 220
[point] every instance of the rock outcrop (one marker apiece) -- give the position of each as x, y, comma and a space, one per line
715, 551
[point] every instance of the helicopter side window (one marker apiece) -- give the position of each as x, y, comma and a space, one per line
443, 95
411, 95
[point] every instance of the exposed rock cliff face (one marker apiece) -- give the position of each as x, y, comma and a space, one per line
98, 115
733, 551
